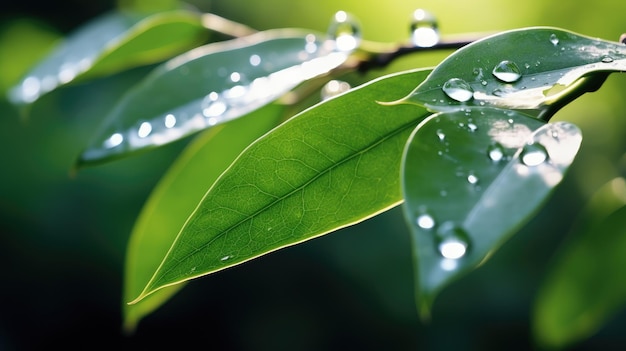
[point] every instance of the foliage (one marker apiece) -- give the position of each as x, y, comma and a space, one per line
466, 148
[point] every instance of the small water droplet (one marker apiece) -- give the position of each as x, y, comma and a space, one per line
170, 121
607, 59
533, 154
145, 128
507, 71
345, 30
255, 60
226, 258
213, 105
452, 241
334, 88
495, 152
472, 178
554, 40
425, 221
441, 135
458, 89
472, 127
424, 29
114, 140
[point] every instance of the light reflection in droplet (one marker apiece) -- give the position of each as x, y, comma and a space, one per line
145, 128
170, 121
114, 140
255, 60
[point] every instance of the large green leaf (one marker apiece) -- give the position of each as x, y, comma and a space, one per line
331, 166
535, 70
176, 196
110, 43
470, 179
585, 287
210, 85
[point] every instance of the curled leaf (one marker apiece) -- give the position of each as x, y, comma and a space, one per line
470, 179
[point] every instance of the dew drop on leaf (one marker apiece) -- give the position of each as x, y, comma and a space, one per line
345, 30
425, 221
424, 29
145, 128
554, 40
507, 71
533, 154
440, 135
472, 127
452, 241
458, 89
495, 152
472, 178
607, 59
213, 105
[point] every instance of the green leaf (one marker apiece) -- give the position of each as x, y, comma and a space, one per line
329, 167
176, 195
539, 69
147, 6
210, 85
108, 44
585, 285
470, 179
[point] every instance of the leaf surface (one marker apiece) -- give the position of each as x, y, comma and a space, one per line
535, 70
210, 85
585, 285
470, 179
175, 196
108, 44
329, 167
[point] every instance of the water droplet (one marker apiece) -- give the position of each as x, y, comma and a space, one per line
114, 140
255, 60
495, 152
533, 154
458, 89
424, 29
145, 128
452, 241
345, 30
554, 40
213, 105
226, 258
170, 121
472, 127
425, 221
507, 71
472, 178
334, 88
607, 59
440, 135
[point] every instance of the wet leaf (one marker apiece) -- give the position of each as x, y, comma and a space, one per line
176, 196
210, 85
329, 167
463, 173
535, 70
585, 285
108, 44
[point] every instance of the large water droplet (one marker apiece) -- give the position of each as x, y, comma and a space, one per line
554, 40
495, 152
345, 30
607, 59
507, 71
458, 89
452, 241
334, 88
533, 154
424, 29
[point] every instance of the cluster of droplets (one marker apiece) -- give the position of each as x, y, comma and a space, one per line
460, 90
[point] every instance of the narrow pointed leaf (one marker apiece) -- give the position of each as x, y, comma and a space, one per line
177, 195
210, 85
526, 69
585, 286
470, 179
108, 44
331, 166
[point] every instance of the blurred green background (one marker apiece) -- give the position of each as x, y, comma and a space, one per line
63, 237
